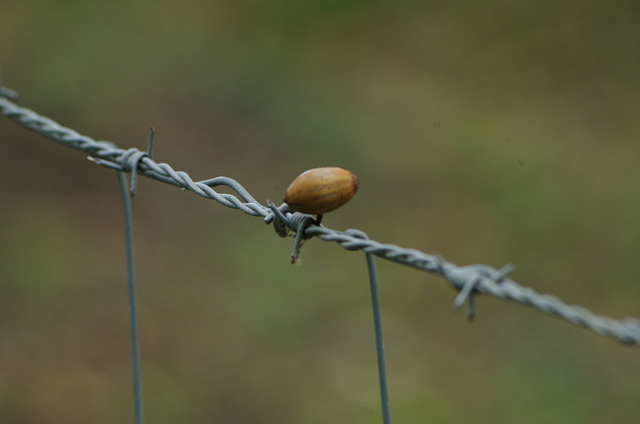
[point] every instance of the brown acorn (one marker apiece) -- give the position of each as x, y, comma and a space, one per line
321, 190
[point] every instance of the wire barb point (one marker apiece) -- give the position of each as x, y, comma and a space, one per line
150, 145
300, 223
469, 287
130, 162
477, 278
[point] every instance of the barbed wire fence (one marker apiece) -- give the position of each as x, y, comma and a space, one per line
468, 281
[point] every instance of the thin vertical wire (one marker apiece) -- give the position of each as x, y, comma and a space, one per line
377, 323
133, 310
476, 278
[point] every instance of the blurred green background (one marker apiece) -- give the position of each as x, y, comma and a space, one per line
489, 132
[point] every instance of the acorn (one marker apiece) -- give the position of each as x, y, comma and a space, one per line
321, 190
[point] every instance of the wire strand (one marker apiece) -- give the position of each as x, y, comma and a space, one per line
468, 280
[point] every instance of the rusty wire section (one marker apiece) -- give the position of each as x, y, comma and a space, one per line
467, 280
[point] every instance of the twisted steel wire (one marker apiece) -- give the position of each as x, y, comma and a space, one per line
468, 280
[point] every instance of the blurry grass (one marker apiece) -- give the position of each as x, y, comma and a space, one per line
487, 132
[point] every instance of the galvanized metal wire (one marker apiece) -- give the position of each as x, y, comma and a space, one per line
133, 308
467, 280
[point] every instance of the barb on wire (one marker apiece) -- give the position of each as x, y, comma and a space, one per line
467, 280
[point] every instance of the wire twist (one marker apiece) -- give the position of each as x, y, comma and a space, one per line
467, 280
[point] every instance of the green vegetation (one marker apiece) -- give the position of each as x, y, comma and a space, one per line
489, 132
